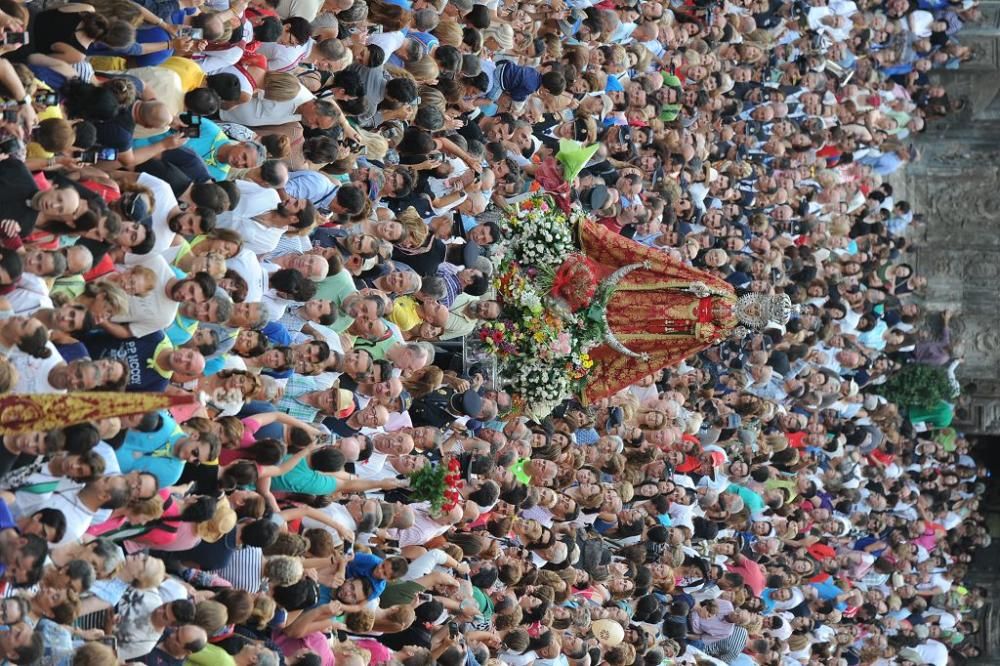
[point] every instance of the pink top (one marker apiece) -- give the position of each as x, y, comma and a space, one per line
315, 642
380, 653
250, 428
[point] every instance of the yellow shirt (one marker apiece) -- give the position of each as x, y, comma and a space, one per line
404, 313
190, 72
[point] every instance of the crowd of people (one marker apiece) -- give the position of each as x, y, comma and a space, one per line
288, 209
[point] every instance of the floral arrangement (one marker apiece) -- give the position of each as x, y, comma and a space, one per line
541, 234
439, 485
552, 303
538, 387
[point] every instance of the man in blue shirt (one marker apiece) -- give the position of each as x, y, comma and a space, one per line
377, 571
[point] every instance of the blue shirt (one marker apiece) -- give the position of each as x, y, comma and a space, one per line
363, 566
313, 186
138, 355
206, 146
518, 81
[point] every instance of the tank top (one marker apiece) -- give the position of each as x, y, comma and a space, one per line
53, 26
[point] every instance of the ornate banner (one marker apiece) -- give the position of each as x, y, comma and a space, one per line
32, 412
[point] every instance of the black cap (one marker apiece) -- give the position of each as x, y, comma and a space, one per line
595, 198
468, 403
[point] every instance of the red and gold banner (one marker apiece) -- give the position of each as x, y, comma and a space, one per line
33, 412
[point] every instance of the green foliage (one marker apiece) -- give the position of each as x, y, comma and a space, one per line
428, 484
918, 385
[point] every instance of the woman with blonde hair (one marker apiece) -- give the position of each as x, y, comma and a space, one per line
219, 525
140, 573
414, 229
449, 33
281, 86
421, 382
104, 299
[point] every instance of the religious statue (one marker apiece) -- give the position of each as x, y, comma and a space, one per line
586, 311
660, 311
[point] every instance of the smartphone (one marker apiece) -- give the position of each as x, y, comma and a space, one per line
191, 33
95, 155
9, 116
8, 146
15, 38
192, 125
47, 98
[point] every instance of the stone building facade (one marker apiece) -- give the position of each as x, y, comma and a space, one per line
955, 185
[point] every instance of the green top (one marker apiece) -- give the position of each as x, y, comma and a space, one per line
938, 416
210, 655
304, 479
754, 502
335, 288
399, 593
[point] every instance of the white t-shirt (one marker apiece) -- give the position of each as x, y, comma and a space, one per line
283, 57
339, 514
33, 373
31, 294
155, 311
256, 237
254, 200
164, 201
307, 9
247, 265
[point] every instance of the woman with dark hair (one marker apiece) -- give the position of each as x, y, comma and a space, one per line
66, 32
175, 529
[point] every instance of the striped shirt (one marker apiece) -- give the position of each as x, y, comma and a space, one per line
244, 569
729, 649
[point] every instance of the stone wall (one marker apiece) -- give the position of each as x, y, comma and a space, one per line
955, 185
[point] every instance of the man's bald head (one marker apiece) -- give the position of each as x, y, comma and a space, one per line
154, 114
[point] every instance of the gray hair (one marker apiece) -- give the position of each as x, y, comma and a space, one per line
260, 149
111, 555
283, 570
59, 265
267, 658
225, 305
433, 286
483, 264
427, 349
82, 571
